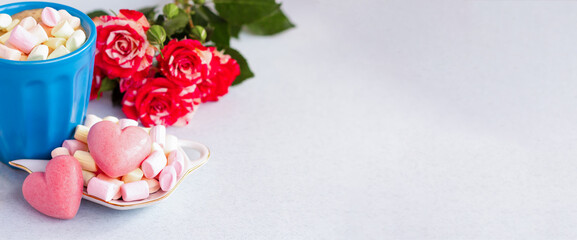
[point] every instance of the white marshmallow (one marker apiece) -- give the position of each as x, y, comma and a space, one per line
153, 164
5, 20
156, 147
158, 134
58, 52
73, 21
39, 32
9, 53
126, 122
171, 143
28, 23
13, 24
134, 191
38, 53
111, 119
91, 119
76, 40
4, 38
54, 43
62, 30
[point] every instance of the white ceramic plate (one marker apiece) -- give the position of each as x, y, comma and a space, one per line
35, 165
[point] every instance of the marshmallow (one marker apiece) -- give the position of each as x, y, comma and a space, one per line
38, 53
12, 25
28, 23
153, 164
176, 159
170, 144
86, 161
50, 16
81, 133
74, 145
167, 178
111, 119
76, 40
73, 21
62, 30
5, 20
114, 181
4, 38
54, 43
133, 176
126, 122
9, 53
91, 119
40, 33
86, 176
59, 151
156, 147
22, 39
102, 189
59, 52
153, 184
158, 134
134, 191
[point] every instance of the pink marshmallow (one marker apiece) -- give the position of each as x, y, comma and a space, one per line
102, 189
22, 39
74, 145
9, 53
115, 181
176, 159
134, 191
167, 178
158, 134
153, 164
125, 122
50, 16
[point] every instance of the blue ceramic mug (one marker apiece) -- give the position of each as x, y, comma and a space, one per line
41, 102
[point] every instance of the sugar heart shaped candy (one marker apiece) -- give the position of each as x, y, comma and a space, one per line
58, 191
118, 151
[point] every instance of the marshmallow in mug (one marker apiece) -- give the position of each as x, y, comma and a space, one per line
55, 34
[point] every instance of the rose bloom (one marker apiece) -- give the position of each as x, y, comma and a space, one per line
135, 79
96, 83
185, 62
159, 101
224, 70
121, 44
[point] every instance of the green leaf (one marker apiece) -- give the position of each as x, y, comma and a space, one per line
170, 10
239, 12
107, 85
273, 24
156, 36
97, 13
176, 24
234, 30
245, 72
220, 35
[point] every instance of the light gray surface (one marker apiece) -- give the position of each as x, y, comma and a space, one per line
372, 120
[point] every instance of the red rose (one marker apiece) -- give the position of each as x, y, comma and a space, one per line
121, 46
159, 101
185, 62
96, 83
135, 79
135, 16
224, 70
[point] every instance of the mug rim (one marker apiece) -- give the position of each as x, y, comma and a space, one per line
90, 40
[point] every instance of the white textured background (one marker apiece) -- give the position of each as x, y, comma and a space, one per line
371, 120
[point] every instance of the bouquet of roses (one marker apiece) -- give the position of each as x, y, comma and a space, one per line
162, 66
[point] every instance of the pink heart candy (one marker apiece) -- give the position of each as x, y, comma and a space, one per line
118, 151
58, 191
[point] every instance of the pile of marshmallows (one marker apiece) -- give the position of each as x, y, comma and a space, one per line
58, 34
160, 170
